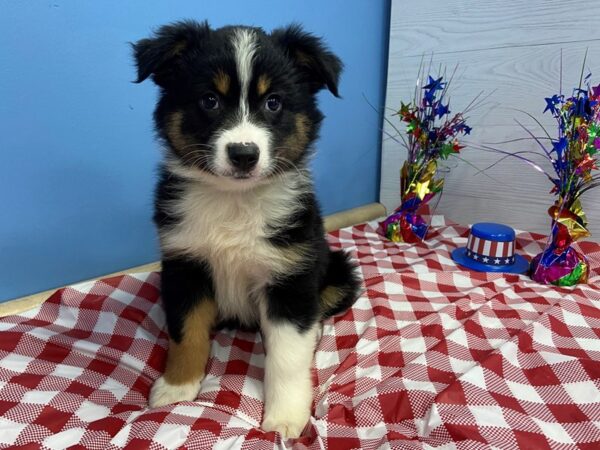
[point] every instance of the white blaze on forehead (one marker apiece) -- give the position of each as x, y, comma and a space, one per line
243, 131
244, 44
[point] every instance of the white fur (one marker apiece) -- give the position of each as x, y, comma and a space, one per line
216, 182
163, 393
244, 45
228, 229
288, 385
244, 132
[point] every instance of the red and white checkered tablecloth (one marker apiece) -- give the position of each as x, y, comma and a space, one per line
431, 356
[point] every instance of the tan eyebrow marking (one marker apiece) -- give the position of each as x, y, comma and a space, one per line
263, 85
222, 82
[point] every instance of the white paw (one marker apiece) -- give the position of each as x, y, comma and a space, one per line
164, 393
288, 427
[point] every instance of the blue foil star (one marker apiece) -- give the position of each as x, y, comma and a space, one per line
434, 85
551, 103
429, 97
442, 110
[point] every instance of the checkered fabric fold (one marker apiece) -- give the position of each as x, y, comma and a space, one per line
430, 356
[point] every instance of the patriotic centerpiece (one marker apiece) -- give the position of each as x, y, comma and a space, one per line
431, 133
574, 156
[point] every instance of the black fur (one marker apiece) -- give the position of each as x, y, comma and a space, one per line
183, 59
184, 283
319, 67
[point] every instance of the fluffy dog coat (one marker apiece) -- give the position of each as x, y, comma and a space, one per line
240, 230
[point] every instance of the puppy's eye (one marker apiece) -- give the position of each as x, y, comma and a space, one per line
209, 101
273, 103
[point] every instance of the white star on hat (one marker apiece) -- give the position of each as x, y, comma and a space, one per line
486, 259
507, 261
497, 261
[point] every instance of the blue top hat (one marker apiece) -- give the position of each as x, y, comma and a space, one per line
491, 248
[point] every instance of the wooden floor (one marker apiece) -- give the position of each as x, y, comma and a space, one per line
511, 50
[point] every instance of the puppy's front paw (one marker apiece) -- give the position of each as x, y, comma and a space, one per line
163, 393
288, 424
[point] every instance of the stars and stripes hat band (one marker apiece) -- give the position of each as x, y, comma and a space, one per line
490, 251
490, 248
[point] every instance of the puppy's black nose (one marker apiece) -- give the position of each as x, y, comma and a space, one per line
243, 156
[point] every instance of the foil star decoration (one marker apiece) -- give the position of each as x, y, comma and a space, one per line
432, 134
551, 103
573, 155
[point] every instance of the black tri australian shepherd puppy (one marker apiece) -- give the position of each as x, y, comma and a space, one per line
240, 230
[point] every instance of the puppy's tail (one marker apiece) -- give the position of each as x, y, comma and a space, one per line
341, 284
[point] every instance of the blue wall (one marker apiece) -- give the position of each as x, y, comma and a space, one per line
77, 153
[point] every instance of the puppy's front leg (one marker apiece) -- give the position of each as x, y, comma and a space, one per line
191, 314
287, 384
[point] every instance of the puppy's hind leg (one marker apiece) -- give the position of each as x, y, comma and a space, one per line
342, 284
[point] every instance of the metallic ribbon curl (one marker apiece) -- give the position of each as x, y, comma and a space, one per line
418, 187
560, 264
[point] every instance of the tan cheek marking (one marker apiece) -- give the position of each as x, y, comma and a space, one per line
186, 361
177, 139
222, 82
297, 142
263, 84
302, 130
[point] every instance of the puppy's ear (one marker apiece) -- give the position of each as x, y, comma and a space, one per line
160, 55
320, 67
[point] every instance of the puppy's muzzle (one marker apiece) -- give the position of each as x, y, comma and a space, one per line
243, 155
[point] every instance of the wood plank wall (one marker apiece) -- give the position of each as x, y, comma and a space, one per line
513, 49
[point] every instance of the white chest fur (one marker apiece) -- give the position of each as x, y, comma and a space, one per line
230, 230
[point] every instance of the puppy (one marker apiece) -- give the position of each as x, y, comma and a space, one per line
240, 230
